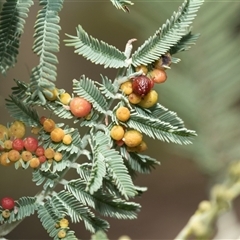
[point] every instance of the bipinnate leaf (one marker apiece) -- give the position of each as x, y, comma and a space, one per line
96, 51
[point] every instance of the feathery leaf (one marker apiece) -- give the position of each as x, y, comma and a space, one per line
168, 35
95, 51
11, 28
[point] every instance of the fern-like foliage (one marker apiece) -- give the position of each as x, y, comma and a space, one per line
168, 35
122, 4
78, 212
19, 110
45, 45
49, 215
185, 43
115, 165
138, 162
107, 205
12, 21
96, 51
87, 89
25, 207
160, 130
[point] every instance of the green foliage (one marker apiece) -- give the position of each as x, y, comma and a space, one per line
19, 110
95, 51
105, 204
87, 89
121, 4
104, 181
168, 35
45, 45
12, 21
78, 212
25, 207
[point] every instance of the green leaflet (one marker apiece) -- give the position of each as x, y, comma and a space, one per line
87, 89
99, 235
105, 204
115, 166
168, 35
11, 28
19, 110
161, 130
25, 207
96, 51
78, 212
121, 4
139, 162
45, 45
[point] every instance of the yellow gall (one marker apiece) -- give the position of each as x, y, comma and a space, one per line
6, 213
143, 68
4, 159
64, 223
62, 234
57, 156
17, 129
67, 139
126, 87
51, 95
65, 98
117, 132
34, 162
123, 114
149, 100
26, 156
7, 144
3, 132
134, 98
48, 125
132, 138
13, 155
57, 135
49, 153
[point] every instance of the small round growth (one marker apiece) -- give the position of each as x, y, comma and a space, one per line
3, 132
48, 125
117, 132
6, 213
62, 234
65, 98
58, 156
17, 129
142, 85
80, 107
13, 155
4, 159
49, 153
126, 87
30, 144
18, 144
158, 75
63, 223
39, 151
7, 144
67, 139
26, 156
123, 114
57, 135
7, 203
34, 162
149, 100
132, 138
51, 95
142, 67
134, 98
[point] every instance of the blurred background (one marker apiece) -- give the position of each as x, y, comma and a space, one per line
203, 89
